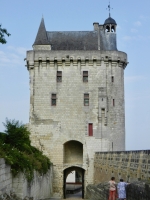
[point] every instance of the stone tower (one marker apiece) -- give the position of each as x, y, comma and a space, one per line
76, 98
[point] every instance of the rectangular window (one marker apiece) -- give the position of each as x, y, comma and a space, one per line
53, 100
112, 79
85, 76
86, 99
90, 129
113, 102
59, 76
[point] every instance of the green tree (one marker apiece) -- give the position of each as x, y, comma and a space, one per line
3, 32
17, 133
16, 149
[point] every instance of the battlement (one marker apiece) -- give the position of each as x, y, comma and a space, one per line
83, 57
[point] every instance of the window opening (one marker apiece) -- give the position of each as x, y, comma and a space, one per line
53, 100
85, 76
86, 99
112, 29
59, 76
113, 102
112, 79
90, 129
107, 28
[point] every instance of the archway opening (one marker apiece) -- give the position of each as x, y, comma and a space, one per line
74, 182
73, 152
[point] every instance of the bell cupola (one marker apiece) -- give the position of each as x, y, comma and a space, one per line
110, 25
108, 34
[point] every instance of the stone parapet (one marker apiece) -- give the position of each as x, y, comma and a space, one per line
129, 165
139, 190
68, 57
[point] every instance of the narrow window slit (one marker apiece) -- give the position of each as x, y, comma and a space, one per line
59, 76
90, 129
53, 100
86, 99
85, 76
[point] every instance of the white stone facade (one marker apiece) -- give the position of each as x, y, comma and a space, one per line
61, 131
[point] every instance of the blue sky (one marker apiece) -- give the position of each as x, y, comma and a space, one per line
22, 19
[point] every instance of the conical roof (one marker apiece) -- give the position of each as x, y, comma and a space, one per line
41, 38
110, 20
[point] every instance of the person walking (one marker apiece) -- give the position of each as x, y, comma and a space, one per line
112, 189
122, 189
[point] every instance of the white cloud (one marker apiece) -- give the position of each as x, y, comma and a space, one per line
127, 38
118, 27
137, 37
137, 23
19, 50
12, 56
134, 78
142, 17
134, 30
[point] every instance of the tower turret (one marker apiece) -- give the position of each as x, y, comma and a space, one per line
41, 41
108, 34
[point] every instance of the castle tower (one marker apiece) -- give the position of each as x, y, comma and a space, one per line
76, 98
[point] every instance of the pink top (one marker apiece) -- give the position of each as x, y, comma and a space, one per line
112, 185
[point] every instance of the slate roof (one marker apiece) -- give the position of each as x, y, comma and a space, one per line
73, 40
110, 20
76, 40
41, 38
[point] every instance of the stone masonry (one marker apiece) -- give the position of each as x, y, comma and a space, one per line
129, 165
76, 97
136, 190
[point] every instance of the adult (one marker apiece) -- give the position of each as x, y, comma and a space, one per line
112, 189
122, 189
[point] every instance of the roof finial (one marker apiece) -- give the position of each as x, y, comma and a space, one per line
109, 8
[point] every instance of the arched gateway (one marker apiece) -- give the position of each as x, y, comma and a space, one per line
73, 158
76, 98
67, 171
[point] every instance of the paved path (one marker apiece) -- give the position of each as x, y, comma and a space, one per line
73, 196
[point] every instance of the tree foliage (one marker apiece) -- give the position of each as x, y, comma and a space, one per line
3, 32
16, 149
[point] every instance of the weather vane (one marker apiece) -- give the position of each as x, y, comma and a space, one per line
109, 8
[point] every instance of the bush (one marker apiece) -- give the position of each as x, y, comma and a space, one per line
16, 149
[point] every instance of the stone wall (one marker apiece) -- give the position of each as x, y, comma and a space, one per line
39, 188
129, 165
5, 177
139, 190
